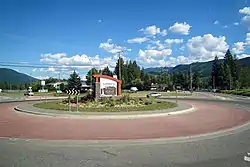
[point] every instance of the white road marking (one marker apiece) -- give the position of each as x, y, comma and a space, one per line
247, 158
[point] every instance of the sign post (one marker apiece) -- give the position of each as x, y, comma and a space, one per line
69, 104
73, 92
76, 103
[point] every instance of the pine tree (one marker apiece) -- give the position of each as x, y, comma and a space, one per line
215, 73
230, 69
90, 76
221, 82
197, 80
106, 71
74, 81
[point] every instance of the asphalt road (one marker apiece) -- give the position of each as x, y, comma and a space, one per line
223, 151
226, 149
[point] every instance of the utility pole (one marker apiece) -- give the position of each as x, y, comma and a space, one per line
119, 65
191, 78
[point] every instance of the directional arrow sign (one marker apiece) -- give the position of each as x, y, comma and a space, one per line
73, 92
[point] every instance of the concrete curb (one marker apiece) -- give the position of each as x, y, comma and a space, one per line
135, 116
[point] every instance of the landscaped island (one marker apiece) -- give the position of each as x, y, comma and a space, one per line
123, 104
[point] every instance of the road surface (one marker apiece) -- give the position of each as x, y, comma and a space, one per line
222, 149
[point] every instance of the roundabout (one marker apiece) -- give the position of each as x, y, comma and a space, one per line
216, 133
206, 117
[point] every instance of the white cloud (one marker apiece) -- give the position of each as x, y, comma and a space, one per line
138, 40
155, 54
173, 41
51, 69
158, 45
247, 39
53, 56
77, 61
238, 48
153, 30
182, 48
205, 48
216, 22
245, 10
99, 21
246, 20
242, 56
173, 61
153, 57
181, 28
164, 33
225, 26
42, 77
236, 23
112, 48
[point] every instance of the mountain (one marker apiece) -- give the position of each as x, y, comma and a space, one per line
157, 70
14, 77
204, 67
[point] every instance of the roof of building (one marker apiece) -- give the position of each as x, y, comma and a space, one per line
107, 77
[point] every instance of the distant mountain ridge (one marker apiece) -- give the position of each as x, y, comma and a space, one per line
204, 67
14, 77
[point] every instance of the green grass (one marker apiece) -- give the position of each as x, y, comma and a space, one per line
56, 105
12, 94
243, 92
44, 93
144, 94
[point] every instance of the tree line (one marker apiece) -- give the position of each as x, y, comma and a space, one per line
132, 75
229, 75
225, 75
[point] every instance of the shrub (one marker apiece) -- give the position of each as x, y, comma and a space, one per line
246, 94
125, 98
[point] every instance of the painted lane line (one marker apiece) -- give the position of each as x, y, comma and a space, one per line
247, 157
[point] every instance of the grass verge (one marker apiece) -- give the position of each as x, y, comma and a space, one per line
144, 94
57, 105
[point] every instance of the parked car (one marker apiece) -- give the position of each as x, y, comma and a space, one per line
153, 95
133, 89
28, 93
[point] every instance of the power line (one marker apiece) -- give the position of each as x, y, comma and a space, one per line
41, 66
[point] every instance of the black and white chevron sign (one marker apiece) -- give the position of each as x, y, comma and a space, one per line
73, 92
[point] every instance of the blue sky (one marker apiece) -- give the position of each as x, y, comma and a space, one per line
85, 34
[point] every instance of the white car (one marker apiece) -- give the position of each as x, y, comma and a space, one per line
133, 89
154, 95
28, 93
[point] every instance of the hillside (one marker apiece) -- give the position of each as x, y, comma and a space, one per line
14, 77
204, 67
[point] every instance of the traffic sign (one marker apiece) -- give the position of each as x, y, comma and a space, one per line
73, 92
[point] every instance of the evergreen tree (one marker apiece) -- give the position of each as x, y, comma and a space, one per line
197, 80
230, 69
221, 82
244, 77
90, 76
215, 73
136, 70
106, 71
74, 81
